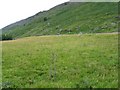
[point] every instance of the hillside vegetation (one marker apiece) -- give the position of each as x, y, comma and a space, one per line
67, 46
68, 18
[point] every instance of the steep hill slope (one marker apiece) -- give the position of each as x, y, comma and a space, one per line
68, 18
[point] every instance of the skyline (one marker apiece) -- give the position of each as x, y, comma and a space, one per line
16, 10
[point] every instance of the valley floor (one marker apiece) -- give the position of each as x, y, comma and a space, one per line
62, 61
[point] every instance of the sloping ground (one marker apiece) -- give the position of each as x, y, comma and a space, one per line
64, 61
68, 18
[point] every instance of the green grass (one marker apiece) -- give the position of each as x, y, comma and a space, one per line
67, 61
72, 18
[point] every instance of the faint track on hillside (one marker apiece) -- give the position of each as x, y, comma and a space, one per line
109, 33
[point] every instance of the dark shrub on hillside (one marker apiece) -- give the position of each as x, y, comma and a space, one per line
0, 37
45, 18
65, 3
7, 37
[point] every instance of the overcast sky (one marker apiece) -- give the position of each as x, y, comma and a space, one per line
15, 10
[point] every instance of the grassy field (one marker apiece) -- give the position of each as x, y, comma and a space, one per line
66, 61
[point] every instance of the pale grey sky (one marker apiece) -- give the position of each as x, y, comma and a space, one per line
15, 10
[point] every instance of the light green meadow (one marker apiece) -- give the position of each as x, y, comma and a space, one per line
64, 61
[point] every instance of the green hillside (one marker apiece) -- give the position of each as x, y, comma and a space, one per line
68, 18
51, 52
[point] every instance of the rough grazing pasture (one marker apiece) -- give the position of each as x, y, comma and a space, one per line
66, 61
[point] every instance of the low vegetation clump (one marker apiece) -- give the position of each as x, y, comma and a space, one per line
7, 37
63, 61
